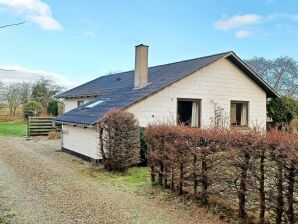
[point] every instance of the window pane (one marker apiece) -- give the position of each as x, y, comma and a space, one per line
184, 112
188, 113
80, 103
239, 114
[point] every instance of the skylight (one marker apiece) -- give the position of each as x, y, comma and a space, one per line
95, 103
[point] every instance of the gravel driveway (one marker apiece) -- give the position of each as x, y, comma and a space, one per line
39, 184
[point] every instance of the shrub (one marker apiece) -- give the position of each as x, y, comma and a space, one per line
144, 148
252, 173
283, 110
119, 140
32, 109
53, 107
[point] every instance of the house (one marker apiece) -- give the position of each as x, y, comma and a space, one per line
184, 91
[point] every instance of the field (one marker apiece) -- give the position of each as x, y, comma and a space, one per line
13, 129
5, 114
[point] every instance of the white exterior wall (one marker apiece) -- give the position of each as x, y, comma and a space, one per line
72, 103
219, 82
80, 140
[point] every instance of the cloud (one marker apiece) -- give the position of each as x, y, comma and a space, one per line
46, 22
14, 73
34, 11
242, 34
243, 25
237, 21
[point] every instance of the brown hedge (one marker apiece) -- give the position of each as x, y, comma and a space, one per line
119, 140
252, 173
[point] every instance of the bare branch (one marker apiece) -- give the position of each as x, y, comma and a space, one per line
14, 24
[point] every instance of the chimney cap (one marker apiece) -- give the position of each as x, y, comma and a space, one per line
141, 45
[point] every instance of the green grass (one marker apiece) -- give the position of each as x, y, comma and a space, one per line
135, 177
13, 129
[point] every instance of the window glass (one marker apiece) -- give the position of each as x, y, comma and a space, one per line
239, 113
188, 112
80, 103
95, 103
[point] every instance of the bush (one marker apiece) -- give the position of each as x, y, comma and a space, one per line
283, 110
32, 109
119, 140
53, 107
247, 175
144, 148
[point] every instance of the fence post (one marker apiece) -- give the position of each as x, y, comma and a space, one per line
28, 126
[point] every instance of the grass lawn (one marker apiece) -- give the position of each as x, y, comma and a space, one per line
13, 129
135, 178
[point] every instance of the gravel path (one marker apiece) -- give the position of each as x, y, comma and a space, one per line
39, 184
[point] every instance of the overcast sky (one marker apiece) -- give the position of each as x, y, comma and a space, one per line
74, 41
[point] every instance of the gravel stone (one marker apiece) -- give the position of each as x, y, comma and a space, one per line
40, 184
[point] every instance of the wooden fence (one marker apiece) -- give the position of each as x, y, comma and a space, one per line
38, 126
4, 117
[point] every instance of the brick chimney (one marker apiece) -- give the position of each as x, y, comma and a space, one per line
141, 66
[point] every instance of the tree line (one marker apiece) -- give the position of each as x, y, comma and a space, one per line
38, 95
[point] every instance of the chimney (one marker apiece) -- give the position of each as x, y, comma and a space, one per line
141, 66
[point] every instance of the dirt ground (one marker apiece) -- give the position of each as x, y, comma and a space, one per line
39, 184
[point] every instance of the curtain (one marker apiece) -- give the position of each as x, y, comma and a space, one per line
244, 114
233, 113
195, 114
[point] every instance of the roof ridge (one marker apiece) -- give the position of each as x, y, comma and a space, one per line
208, 56
171, 63
212, 55
192, 59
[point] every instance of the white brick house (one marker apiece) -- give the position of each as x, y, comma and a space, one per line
183, 92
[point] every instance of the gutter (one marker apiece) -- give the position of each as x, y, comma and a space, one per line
75, 124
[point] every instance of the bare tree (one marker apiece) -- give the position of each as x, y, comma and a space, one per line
11, 96
25, 91
281, 73
13, 24
15, 94
1, 90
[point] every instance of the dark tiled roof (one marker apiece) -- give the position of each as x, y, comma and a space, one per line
118, 92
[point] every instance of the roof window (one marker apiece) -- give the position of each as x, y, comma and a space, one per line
95, 103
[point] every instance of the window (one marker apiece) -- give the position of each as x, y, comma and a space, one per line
80, 103
188, 112
239, 113
95, 103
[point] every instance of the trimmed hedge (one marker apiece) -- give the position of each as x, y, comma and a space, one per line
119, 140
251, 176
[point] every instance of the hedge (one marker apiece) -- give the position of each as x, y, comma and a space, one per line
251, 176
119, 140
